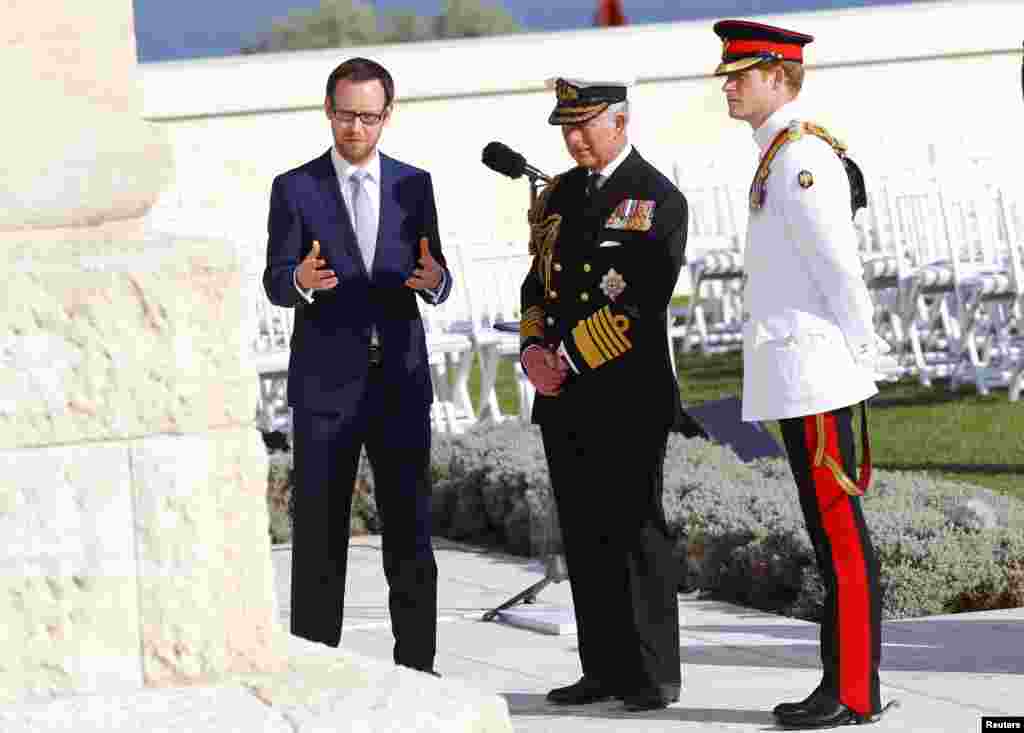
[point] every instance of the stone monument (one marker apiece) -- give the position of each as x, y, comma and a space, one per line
131, 478
136, 557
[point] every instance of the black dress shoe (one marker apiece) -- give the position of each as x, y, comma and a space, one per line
790, 708
662, 697
639, 703
583, 692
823, 714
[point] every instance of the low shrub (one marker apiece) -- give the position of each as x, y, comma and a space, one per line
942, 546
279, 497
491, 487
364, 518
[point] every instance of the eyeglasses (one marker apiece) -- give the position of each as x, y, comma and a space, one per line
347, 116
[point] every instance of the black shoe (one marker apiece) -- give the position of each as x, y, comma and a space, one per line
664, 696
581, 693
639, 703
791, 708
824, 714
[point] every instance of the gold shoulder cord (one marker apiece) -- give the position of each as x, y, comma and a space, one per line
818, 131
796, 130
544, 232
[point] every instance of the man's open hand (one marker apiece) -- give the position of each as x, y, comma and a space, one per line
428, 275
310, 273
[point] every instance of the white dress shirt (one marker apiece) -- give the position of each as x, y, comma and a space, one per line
607, 171
371, 187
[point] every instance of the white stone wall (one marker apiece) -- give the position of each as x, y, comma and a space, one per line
132, 480
66, 569
132, 483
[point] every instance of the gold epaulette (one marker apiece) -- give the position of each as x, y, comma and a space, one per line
795, 131
818, 131
602, 337
543, 232
531, 325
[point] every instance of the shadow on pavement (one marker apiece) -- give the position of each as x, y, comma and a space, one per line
944, 644
536, 705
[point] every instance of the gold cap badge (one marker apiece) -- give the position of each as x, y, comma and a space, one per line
566, 92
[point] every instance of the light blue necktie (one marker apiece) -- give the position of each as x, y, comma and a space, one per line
363, 220
365, 225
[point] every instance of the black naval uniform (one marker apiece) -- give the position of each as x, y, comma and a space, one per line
605, 433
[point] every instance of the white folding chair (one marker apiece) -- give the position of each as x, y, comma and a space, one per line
493, 275
987, 279
270, 346
714, 321
927, 274
449, 353
1010, 237
884, 262
718, 213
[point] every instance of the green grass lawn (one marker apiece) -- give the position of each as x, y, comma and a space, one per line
961, 436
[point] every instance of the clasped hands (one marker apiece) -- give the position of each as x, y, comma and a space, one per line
312, 273
545, 369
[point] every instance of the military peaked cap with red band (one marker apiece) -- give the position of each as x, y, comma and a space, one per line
746, 44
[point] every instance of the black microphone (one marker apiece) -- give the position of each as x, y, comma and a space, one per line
503, 159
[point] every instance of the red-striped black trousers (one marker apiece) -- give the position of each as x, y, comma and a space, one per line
822, 457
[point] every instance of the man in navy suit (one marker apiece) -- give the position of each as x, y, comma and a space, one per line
353, 239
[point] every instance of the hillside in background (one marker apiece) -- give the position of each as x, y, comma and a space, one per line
199, 28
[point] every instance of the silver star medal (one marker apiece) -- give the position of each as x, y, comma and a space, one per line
612, 284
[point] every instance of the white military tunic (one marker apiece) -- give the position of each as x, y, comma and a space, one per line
808, 339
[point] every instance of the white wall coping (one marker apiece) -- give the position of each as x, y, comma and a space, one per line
519, 63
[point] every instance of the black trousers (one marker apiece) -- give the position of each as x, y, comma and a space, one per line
607, 485
327, 448
851, 647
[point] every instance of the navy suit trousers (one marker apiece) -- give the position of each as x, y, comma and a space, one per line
327, 446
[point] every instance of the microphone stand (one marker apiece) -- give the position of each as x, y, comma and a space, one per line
555, 570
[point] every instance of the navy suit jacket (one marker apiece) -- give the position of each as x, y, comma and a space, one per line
328, 366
